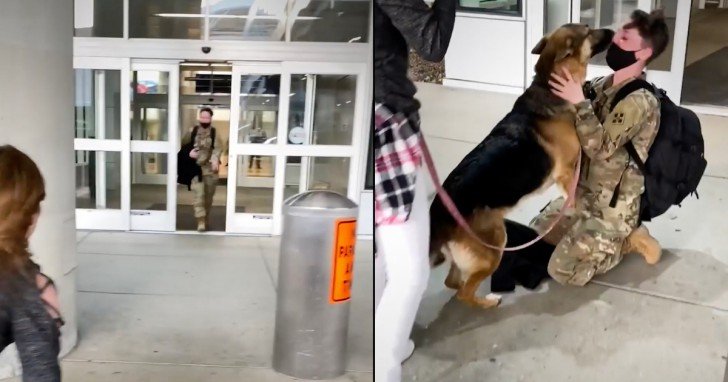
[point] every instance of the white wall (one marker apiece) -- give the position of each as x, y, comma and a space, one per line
492, 52
487, 51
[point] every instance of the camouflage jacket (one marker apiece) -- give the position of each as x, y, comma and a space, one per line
603, 134
203, 142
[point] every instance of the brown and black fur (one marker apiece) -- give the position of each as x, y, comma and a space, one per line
532, 147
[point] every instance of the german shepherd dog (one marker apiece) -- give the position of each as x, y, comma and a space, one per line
532, 147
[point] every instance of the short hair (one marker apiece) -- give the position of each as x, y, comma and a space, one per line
207, 109
652, 28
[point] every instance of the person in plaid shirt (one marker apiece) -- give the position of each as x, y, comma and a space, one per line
400, 208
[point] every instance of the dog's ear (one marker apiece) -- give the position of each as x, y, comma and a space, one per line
541, 44
566, 52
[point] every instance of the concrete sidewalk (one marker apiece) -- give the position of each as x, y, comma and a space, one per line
667, 322
192, 308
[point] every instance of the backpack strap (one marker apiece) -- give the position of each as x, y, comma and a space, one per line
622, 93
212, 135
628, 89
635, 157
193, 135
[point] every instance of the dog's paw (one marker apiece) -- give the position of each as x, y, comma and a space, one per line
494, 297
490, 301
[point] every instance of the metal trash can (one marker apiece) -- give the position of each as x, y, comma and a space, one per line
314, 285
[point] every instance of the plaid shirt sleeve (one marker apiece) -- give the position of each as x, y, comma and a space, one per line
397, 158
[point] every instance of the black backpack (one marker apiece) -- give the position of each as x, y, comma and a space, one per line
676, 161
187, 168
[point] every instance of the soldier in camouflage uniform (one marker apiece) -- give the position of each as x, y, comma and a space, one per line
592, 236
208, 158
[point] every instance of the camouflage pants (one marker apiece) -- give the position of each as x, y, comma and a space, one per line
587, 242
204, 192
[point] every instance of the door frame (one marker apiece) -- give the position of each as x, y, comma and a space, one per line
147, 220
108, 219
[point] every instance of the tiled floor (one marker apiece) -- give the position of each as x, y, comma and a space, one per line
191, 308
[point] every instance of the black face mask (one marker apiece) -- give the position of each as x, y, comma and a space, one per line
618, 58
204, 125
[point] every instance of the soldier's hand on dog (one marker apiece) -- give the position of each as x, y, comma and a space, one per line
566, 88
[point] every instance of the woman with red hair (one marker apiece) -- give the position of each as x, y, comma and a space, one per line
29, 312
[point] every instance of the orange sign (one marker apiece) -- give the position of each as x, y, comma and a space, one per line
343, 265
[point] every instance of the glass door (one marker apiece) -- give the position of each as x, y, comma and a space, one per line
101, 143
253, 169
153, 115
667, 70
296, 127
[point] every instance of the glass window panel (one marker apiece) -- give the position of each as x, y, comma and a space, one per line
321, 109
705, 80
149, 105
508, 7
172, 19
316, 173
259, 100
206, 79
247, 20
149, 181
98, 180
556, 14
96, 106
256, 178
330, 21
99, 18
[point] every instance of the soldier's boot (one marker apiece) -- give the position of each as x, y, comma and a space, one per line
201, 224
640, 241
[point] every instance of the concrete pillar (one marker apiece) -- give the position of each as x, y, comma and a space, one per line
36, 115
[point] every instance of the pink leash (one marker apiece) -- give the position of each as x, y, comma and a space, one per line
450, 205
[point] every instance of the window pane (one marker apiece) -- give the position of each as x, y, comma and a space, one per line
149, 181
254, 191
509, 7
316, 173
259, 99
149, 105
176, 19
244, 20
98, 96
98, 180
330, 21
321, 109
99, 18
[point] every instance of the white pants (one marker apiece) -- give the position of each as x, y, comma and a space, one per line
402, 268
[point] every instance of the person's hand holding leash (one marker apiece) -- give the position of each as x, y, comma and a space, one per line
566, 88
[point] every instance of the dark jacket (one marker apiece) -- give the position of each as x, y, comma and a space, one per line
187, 168
25, 321
399, 24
